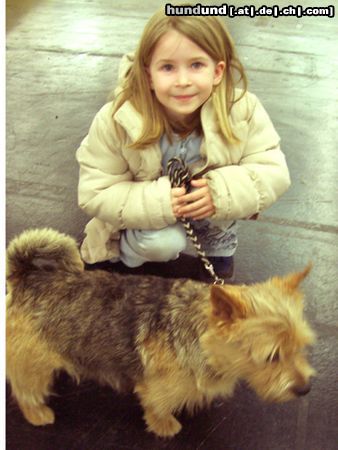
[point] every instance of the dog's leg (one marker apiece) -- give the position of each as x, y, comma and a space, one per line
164, 394
158, 408
30, 368
163, 426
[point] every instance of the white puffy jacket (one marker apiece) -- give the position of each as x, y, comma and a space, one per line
123, 188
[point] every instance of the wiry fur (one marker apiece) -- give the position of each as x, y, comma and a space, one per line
176, 343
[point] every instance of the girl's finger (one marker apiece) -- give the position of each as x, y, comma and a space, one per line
202, 213
199, 182
196, 195
198, 204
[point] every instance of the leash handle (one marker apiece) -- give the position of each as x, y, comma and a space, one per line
178, 173
179, 176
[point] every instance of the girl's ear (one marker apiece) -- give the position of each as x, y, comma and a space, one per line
219, 70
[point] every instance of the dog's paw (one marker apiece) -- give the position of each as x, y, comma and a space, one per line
38, 415
163, 426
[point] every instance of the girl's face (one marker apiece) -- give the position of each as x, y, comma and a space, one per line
182, 75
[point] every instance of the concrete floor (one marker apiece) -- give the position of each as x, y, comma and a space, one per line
62, 59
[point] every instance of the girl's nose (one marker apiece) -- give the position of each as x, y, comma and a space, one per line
183, 78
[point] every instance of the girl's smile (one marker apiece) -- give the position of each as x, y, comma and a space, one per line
184, 98
182, 75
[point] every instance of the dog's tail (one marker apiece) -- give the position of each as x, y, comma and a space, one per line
42, 249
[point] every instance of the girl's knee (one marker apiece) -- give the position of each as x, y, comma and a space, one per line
166, 244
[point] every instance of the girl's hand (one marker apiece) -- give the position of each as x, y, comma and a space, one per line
197, 204
176, 199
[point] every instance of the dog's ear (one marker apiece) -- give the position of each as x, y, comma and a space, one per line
227, 303
294, 279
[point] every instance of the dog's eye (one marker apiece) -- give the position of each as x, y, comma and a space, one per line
273, 357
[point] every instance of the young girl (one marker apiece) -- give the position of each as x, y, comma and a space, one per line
177, 96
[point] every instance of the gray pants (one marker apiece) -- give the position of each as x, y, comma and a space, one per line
140, 246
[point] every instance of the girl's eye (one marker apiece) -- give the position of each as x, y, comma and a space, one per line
196, 65
167, 67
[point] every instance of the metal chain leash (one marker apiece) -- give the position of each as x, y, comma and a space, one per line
179, 176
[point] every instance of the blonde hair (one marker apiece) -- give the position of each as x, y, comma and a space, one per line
207, 32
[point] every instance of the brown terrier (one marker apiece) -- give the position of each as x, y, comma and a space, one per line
175, 343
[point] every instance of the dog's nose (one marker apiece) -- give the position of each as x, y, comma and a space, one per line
302, 390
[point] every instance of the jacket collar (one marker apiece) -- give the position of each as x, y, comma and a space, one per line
131, 120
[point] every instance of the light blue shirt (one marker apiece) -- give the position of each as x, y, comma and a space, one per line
215, 240
187, 149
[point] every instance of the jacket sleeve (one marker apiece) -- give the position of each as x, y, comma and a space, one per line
260, 177
106, 187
